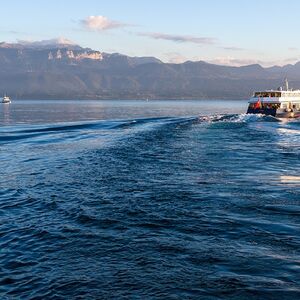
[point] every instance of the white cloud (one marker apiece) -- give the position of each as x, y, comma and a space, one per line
175, 58
291, 60
55, 41
233, 48
237, 62
179, 38
100, 23
232, 61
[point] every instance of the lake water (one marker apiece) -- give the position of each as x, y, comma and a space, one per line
148, 200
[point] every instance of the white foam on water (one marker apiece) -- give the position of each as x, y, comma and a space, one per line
238, 118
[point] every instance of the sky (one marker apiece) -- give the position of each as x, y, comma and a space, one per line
228, 32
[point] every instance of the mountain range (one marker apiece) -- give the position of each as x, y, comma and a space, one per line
59, 69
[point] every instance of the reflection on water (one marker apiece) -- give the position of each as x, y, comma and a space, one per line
6, 113
294, 180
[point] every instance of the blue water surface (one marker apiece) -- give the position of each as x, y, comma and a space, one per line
148, 200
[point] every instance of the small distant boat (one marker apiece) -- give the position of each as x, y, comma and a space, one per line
278, 103
6, 99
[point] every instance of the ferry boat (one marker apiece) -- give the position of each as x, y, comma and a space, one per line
280, 103
6, 99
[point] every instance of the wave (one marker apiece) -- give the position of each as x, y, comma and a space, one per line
239, 118
82, 130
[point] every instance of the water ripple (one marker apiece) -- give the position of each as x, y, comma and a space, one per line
155, 208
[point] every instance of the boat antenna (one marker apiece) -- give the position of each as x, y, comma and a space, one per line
286, 84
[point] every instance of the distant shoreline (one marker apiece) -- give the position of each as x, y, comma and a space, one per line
126, 99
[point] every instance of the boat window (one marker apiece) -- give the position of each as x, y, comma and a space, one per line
268, 94
270, 105
275, 94
291, 95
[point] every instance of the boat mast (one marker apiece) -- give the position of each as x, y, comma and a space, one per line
286, 84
